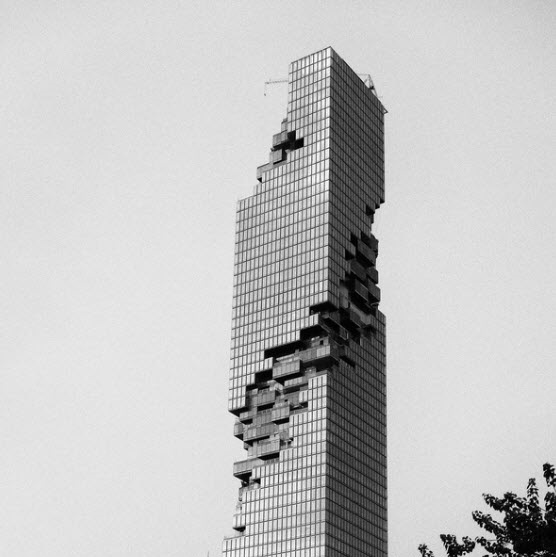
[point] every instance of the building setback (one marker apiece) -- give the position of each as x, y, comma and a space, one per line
307, 381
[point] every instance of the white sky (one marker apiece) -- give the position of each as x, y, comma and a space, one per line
130, 129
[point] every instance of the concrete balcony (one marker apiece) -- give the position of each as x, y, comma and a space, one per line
358, 270
281, 413
295, 384
373, 274
259, 432
279, 139
239, 521
277, 156
319, 356
286, 369
238, 430
360, 291
351, 319
267, 449
366, 254
374, 293
265, 398
247, 416
244, 468
261, 169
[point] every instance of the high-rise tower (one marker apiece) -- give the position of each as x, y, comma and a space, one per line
307, 380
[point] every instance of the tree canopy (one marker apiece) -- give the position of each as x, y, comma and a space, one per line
527, 528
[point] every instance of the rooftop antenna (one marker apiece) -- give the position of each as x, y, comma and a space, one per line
365, 77
273, 82
367, 80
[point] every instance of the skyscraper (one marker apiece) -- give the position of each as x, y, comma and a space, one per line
307, 381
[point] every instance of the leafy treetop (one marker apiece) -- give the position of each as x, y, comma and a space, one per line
527, 529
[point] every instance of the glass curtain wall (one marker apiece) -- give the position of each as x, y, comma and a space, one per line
307, 380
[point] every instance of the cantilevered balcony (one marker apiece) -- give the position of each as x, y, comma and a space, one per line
279, 139
239, 521
366, 254
264, 398
259, 432
277, 156
350, 319
319, 356
360, 291
263, 168
374, 293
248, 415
358, 270
243, 468
373, 274
266, 449
238, 430
281, 413
295, 384
286, 369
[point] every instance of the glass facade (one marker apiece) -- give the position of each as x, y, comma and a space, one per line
307, 379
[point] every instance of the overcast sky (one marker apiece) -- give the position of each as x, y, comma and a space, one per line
129, 129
